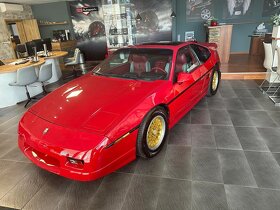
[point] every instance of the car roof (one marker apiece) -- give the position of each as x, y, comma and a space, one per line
163, 45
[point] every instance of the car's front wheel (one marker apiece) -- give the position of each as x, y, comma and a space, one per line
152, 133
214, 82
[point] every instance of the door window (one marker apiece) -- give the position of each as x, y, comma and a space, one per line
186, 61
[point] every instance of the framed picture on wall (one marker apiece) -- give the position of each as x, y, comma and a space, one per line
199, 9
270, 7
236, 9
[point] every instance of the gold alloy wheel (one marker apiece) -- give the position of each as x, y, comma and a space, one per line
156, 132
215, 80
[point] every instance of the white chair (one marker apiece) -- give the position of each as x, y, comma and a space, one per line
45, 73
73, 61
274, 93
268, 61
25, 76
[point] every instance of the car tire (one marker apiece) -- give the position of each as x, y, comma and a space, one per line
152, 133
214, 82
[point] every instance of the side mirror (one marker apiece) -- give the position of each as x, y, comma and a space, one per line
183, 77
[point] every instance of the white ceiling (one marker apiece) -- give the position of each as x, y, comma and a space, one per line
31, 1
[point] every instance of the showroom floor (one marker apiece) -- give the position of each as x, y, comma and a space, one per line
225, 154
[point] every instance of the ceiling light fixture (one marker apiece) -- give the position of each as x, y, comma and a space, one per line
138, 17
173, 15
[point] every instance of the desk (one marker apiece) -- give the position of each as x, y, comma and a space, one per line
11, 95
256, 46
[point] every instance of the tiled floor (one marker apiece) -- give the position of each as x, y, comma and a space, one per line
224, 154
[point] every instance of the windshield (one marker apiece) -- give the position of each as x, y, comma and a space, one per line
132, 63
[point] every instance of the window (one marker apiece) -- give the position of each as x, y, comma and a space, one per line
202, 53
137, 63
186, 61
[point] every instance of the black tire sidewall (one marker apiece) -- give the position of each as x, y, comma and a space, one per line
212, 92
142, 147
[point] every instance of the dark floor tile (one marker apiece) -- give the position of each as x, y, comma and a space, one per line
15, 155
268, 105
220, 117
257, 93
237, 84
252, 198
6, 136
265, 169
250, 139
180, 134
202, 104
6, 146
208, 196
202, 136
151, 166
235, 168
186, 119
174, 194
142, 193
233, 104
49, 196
275, 116
243, 93
10, 124
261, 119
12, 175
112, 192
129, 168
25, 189
250, 84
200, 116
240, 118
78, 195
271, 137
206, 165
177, 162
215, 103
277, 157
227, 92
251, 104
226, 138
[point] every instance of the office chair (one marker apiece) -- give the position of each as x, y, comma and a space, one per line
45, 73
25, 76
21, 51
73, 61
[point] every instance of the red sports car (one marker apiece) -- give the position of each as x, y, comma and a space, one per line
125, 107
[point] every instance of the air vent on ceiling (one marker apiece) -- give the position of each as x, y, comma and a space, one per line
4, 7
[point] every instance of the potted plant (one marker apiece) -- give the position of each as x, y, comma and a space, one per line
276, 28
214, 21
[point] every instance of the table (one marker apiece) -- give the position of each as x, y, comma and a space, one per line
11, 95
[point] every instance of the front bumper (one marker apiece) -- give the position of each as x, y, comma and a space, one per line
51, 156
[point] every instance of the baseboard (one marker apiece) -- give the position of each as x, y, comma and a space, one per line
238, 53
244, 75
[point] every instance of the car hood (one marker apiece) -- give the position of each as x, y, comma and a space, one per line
93, 103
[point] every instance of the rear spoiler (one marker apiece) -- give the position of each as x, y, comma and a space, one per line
212, 46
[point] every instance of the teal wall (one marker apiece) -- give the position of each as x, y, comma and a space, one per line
242, 27
54, 12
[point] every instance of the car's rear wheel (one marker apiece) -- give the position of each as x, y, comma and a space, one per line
214, 82
152, 133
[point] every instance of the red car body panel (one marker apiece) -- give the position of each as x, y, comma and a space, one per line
96, 119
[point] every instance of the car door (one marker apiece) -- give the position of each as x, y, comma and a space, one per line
186, 93
203, 55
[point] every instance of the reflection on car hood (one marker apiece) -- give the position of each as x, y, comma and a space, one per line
93, 103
